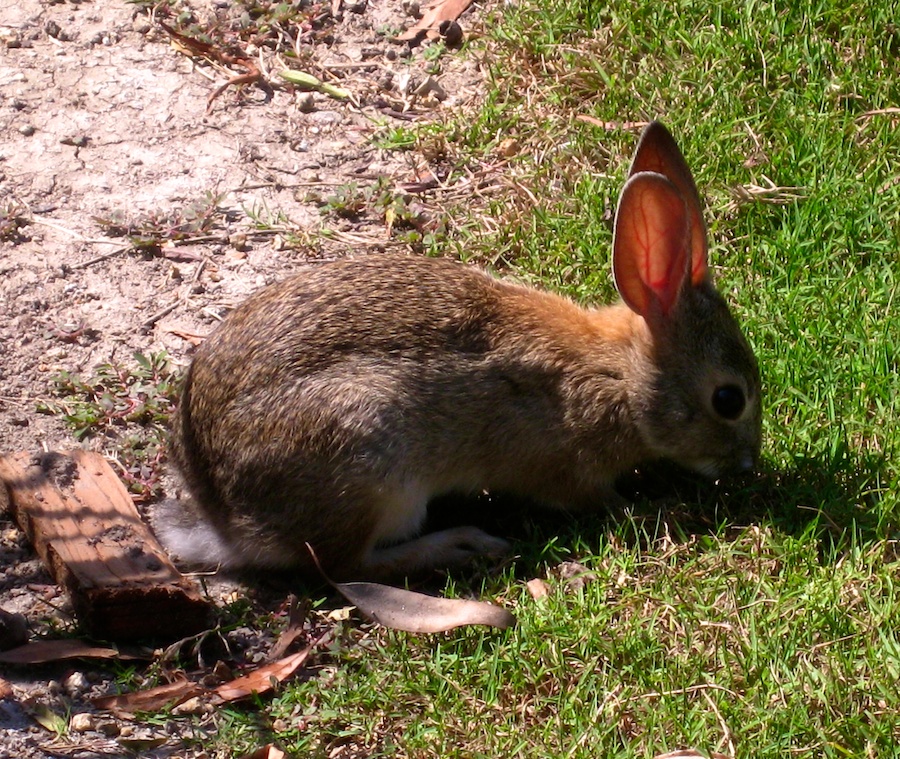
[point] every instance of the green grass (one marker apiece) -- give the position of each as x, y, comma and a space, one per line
760, 618
755, 645
771, 631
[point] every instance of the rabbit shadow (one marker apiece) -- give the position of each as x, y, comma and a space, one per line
837, 496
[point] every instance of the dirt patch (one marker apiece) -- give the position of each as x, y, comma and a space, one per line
132, 218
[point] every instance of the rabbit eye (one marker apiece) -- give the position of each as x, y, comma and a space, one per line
728, 401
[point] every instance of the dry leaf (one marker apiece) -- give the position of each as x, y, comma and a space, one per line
151, 700
438, 11
413, 612
171, 695
508, 147
44, 651
191, 337
537, 588
48, 719
265, 678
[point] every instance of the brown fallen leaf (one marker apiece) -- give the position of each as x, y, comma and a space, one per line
265, 678
537, 588
266, 752
438, 11
150, 700
172, 694
406, 610
44, 651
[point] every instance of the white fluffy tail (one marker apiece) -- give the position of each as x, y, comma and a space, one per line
190, 539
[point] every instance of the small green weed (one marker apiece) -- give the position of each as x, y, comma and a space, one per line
395, 138
395, 210
131, 404
265, 221
147, 234
348, 201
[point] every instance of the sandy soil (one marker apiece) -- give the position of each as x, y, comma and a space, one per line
102, 119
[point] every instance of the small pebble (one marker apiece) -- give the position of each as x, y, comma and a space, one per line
141, 25
75, 140
76, 683
81, 723
411, 8
306, 102
27, 130
192, 706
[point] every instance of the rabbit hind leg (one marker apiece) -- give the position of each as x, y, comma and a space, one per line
447, 549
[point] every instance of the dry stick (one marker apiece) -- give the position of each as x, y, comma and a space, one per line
91, 241
161, 313
101, 257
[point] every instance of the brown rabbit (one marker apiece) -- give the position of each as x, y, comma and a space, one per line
330, 408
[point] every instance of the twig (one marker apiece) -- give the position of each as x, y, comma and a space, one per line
101, 257
161, 313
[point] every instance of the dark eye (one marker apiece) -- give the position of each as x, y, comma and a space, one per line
728, 401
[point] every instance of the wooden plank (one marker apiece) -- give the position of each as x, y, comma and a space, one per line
83, 524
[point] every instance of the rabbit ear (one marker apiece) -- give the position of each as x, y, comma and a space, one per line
658, 152
650, 245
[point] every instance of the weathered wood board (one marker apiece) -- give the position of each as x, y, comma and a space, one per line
83, 524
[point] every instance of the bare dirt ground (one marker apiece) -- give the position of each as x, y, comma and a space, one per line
103, 120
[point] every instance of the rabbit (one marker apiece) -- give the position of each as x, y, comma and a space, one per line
328, 409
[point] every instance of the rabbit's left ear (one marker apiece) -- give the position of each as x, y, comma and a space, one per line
658, 152
651, 243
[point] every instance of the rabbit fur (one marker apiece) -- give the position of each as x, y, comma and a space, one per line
329, 408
